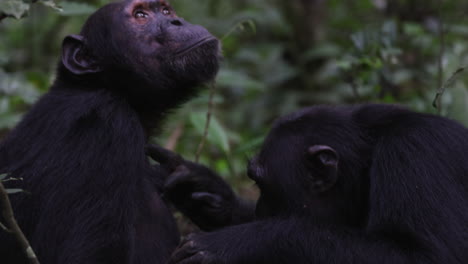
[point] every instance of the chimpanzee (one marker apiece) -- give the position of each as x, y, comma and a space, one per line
91, 195
351, 184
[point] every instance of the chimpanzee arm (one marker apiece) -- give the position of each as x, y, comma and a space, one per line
288, 241
200, 193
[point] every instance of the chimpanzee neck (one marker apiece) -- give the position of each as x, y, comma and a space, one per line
151, 104
152, 108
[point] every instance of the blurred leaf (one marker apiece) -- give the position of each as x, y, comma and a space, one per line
216, 133
344, 64
51, 4
359, 41
222, 166
241, 26
12, 191
413, 29
14, 8
233, 78
3, 176
9, 120
16, 86
322, 51
250, 145
75, 8
458, 109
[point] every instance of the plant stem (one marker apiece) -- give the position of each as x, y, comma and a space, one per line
208, 120
9, 218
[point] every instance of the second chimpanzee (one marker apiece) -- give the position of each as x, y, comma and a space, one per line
364, 184
91, 194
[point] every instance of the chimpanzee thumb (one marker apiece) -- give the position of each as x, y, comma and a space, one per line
168, 159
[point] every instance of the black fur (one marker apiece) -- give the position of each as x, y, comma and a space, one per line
400, 195
92, 196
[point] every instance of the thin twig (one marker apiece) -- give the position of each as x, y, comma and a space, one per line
10, 221
440, 92
208, 120
175, 136
4, 227
240, 26
440, 67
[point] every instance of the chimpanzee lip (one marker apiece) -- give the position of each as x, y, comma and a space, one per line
195, 45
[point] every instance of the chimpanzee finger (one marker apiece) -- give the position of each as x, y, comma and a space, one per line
212, 199
184, 251
180, 175
198, 258
165, 157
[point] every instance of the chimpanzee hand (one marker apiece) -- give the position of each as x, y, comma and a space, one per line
194, 250
198, 192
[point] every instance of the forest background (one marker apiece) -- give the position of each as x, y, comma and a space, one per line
279, 56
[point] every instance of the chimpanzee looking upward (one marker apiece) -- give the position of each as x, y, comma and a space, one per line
364, 184
93, 196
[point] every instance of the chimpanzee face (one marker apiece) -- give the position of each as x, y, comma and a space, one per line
143, 41
159, 40
294, 168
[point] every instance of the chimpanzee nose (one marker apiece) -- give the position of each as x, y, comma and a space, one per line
176, 22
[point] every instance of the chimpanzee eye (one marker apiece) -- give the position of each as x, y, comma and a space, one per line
166, 11
140, 15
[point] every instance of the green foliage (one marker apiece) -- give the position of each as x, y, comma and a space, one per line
14, 8
216, 133
76, 8
278, 59
19, 8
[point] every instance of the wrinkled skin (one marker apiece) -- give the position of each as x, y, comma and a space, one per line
92, 195
363, 184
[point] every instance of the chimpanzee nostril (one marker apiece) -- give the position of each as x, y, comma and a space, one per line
176, 22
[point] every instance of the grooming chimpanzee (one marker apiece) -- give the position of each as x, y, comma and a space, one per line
363, 184
92, 196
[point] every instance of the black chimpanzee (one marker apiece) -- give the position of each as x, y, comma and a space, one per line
92, 196
363, 184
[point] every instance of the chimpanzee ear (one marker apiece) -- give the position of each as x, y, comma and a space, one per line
323, 164
75, 57
324, 155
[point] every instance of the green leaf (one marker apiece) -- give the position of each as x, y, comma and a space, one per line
75, 9
250, 145
359, 41
344, 64
3, 176
231, 78
51, 4
216, 133
9, 120
413, 29
14, 8
12, 191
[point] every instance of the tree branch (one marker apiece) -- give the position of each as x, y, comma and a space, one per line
9, 218
440, 67
175, 136
208, 120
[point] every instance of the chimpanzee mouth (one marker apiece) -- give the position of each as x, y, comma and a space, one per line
195, 45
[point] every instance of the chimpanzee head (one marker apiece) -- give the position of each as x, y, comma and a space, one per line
311, 163
142, 48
